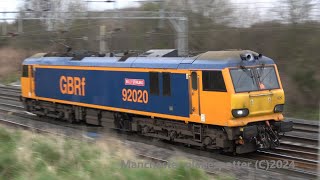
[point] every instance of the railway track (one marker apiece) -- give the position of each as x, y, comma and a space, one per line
300, 162
303, 151
9, 93
10, 90
305, 125
27, 127
297, 172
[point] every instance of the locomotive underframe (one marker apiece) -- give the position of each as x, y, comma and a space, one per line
229, 139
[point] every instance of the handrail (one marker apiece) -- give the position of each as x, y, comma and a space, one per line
257, 95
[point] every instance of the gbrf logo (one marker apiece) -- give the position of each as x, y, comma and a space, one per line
73, 85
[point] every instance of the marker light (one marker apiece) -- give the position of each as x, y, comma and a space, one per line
278, 108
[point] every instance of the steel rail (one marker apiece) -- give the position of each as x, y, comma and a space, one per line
303, 164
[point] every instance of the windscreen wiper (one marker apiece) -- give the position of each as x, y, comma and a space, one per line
246, 70
260, 72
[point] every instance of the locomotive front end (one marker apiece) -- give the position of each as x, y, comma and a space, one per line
257, 104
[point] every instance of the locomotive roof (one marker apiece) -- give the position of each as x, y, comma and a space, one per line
207, 60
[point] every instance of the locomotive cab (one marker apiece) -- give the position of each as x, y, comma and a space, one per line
247, 99
258, 93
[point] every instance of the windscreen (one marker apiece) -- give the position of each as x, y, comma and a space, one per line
267, 78
254, 79
243, 80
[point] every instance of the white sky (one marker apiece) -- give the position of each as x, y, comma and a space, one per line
260, 7
118, 4
9, 5
12, 5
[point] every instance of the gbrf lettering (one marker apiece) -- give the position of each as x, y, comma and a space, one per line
72, 85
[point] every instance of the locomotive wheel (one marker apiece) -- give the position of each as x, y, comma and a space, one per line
71, 119
122, 121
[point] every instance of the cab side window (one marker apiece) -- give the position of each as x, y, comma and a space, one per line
166, 84
194, 79
25, 72
213, 81
154, 83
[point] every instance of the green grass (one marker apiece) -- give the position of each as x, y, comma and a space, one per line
302, 112
10, 78
24, 155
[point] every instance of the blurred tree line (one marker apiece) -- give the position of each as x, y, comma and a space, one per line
291, 39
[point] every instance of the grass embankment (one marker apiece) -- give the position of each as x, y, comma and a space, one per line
24, 155
10, 78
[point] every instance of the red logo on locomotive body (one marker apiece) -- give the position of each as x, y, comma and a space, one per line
134, 82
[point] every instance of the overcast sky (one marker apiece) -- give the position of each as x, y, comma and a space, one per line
260, 7
13, 5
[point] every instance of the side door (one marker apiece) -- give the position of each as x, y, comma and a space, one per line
25, 81
31, 76
195, 94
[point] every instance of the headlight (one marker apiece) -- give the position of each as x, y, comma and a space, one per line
240, 113
278, 108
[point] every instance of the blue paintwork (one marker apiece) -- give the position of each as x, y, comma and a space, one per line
105, 88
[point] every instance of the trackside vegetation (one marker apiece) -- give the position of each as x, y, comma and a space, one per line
26, 155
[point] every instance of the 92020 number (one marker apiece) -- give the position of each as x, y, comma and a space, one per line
133, 95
